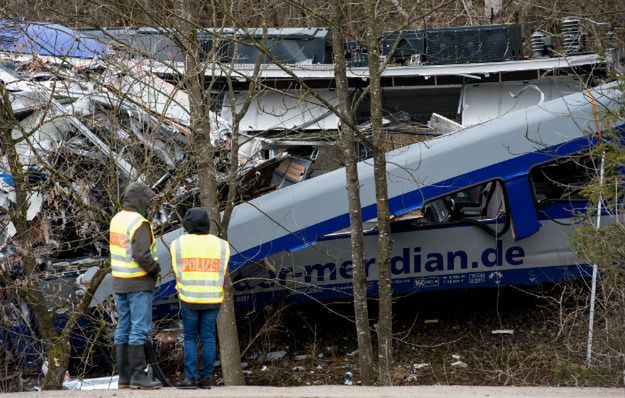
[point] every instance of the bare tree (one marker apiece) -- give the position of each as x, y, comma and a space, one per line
385, 318
350, 159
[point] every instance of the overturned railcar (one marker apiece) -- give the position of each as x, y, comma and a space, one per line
483, 206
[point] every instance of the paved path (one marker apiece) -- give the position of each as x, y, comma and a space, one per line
340, 392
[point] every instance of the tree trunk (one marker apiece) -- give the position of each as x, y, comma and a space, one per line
230, 357
58, 360
385, 243
384, 326
359, 278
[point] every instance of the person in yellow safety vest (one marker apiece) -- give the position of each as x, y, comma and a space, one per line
199, 261
135, 268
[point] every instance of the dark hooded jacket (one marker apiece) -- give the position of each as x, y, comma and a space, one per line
196, 222
137, 197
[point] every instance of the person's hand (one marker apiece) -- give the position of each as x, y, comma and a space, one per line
156, 273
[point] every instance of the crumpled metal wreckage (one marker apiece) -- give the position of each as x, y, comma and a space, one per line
78, 122
97, 127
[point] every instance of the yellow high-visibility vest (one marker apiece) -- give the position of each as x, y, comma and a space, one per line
200, 263
123, 227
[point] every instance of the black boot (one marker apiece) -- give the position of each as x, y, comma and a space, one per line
204, 382
123, 367
187, 384
138, 379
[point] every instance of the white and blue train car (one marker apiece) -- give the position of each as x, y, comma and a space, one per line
483, 206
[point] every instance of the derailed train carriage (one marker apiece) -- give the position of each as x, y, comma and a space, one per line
484, 206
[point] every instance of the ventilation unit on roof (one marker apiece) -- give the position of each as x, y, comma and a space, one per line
410, 44
356, 54
538, 44
458, 45
471, 44
285, 45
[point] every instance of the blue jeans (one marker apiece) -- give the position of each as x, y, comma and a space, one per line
199, 323
135, 317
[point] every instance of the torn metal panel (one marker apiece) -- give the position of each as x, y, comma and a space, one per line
80, 147
25, 100
37, 98
35, 202
8, 75
151, 93
443, 125
289, 110
483, 102
292, 170
156, 95
40, 133
71, 88
250, 149
7, 232
154, 145
257, 177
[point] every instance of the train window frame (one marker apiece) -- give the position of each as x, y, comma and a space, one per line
543, 202
483, 222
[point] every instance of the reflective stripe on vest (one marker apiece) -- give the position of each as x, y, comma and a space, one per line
200, 263
123, 227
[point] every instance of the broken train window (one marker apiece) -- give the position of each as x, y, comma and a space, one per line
562, 179
483, 204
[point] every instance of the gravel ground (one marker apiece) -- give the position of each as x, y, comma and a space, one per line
342, 392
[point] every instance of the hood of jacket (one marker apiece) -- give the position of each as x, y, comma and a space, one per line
196, 221
137, 197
